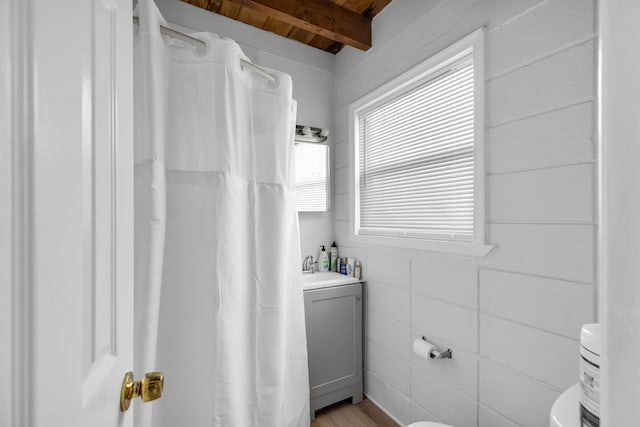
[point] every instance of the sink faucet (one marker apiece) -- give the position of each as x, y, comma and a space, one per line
307, 264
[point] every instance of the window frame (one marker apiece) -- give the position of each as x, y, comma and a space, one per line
474, 44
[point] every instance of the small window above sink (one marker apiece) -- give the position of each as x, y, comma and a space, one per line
312, 170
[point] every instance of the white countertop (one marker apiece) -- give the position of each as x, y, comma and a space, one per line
326, 279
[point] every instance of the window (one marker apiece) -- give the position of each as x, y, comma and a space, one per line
419, 152
312, 182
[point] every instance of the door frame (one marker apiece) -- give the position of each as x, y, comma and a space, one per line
619, 209
16, 84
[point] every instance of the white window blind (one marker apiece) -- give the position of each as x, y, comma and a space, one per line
312, 161
416, 159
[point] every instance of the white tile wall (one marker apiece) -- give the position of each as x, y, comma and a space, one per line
388, 266
565, 78
558, 194
516, 397
559, 251
460, 372
449, 405
533, 352
341, 157
341, 175
393, 335
450, 279
341, 207
358, 73
545, 140
489, 418
418, 413
341, 123
445, 321
524, 298
391, 400
512, 318
341, 236
555, 23
389, 367
390, 301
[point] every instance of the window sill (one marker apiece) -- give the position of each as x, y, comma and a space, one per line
464, 249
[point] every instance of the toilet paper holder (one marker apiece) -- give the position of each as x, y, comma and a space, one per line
437, 354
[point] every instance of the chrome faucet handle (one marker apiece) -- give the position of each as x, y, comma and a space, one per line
307, 264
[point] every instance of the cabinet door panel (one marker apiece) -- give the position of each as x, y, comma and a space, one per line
334, 337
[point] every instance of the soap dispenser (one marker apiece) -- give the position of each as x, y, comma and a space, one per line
323, 262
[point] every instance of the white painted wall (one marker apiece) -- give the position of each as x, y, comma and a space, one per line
620, 228
312, 73
512, 318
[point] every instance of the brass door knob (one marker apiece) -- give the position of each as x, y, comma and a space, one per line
150, 388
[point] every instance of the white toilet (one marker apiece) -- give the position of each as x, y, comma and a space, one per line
566, 409
427, 424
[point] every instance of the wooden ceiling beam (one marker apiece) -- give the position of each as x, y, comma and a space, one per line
321, 17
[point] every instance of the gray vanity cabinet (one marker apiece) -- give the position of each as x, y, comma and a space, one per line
334, 342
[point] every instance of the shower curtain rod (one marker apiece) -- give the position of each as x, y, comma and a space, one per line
199, 43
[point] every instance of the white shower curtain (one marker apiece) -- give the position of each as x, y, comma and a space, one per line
218, 292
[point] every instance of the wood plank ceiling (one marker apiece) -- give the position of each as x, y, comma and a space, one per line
324, 24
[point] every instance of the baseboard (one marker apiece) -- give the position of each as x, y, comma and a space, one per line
389, 414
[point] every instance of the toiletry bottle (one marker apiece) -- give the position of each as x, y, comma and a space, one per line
343, 265
323, 262
333, 257
357, 270
350, 263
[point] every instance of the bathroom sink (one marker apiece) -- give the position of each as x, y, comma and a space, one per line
326, 280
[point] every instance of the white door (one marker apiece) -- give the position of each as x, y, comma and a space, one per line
67, 158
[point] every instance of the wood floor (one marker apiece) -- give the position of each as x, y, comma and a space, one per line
344, 414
